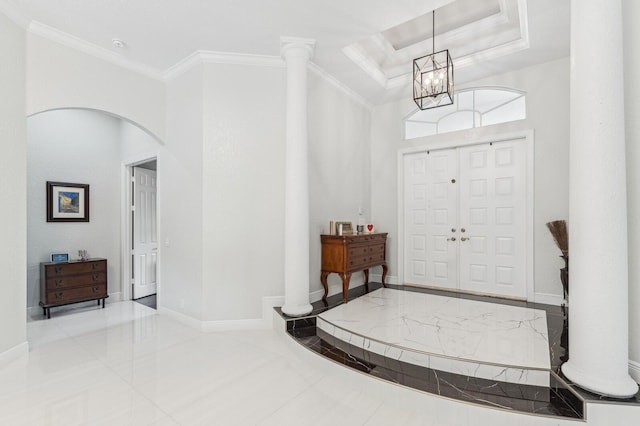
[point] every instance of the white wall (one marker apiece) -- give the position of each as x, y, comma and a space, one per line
547, 87
13, 185
75, 146
631, 11
136, 144
61, 77
243, 189
339, 170
243, 182
180, 197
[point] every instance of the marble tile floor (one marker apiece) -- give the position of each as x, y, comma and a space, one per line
129, 365
474, 338
563, 392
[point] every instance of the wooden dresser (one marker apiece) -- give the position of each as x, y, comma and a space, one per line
346, 254
72, 282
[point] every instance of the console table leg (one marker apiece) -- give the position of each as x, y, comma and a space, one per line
48, 313
366, 279
323, 280
102, 303
346, 277
384, 273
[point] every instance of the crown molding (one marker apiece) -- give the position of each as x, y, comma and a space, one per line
96, 51
202, 57
339, 85
197, 58
209, 57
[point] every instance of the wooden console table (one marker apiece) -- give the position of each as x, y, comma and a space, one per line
72, 282
346, 254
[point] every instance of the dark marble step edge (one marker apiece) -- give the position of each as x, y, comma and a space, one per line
492, 388
383, 373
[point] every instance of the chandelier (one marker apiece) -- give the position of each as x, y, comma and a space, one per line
433, 77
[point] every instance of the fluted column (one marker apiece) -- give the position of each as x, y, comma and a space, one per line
296, 53
598, 309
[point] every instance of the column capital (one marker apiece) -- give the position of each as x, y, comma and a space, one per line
288, 43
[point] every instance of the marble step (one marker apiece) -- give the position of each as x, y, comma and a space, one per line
474, 338
553, 400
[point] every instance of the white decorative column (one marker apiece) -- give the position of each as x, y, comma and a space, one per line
598, 287
296, 53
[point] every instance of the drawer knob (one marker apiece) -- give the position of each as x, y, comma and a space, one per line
58, 269
58, 295
58, 283
95, 289
95, 277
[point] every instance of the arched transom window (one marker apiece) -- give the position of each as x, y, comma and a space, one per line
476, 107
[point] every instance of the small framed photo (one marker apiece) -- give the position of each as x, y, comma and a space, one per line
346, 228
60, 257
67, 202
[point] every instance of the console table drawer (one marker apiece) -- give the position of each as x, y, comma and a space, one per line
53, 270
75, 280
77, 294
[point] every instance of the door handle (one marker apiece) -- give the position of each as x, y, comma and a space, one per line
451, 239
464, 239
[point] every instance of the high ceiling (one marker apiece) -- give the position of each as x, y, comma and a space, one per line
367, 45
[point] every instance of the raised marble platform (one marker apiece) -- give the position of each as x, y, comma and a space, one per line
467, 337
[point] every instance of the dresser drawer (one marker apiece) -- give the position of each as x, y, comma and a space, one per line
75, 268
358, 251
358, 262
75, 280
76, 294
362, 262
377, 249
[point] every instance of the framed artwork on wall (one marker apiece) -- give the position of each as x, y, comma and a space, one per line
67, 202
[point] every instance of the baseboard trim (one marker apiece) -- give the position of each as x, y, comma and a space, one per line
549, 299
14, 354
114, 297
263, 323
389, 279
634, 370
180, 317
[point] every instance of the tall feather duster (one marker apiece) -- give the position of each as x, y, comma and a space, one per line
558, 229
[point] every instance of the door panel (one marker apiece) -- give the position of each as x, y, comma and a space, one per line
430, 215
415, 196
145, 241
442, 219
484, 211
492, 212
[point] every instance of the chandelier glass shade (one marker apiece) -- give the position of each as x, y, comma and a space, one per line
433, 79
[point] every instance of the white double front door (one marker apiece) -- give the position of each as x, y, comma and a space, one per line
465, 218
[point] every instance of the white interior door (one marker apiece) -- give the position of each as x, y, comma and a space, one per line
145, 240
493, 216
465, 218
431, 219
